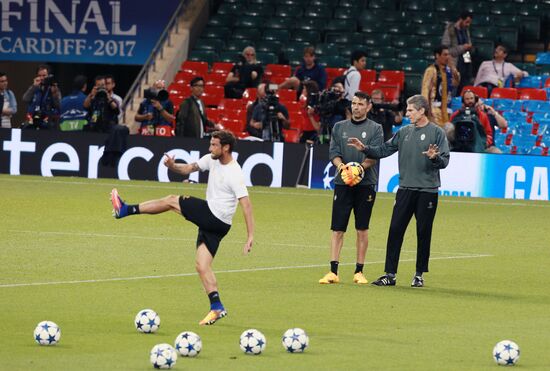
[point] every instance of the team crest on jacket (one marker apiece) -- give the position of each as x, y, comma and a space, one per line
369, 199
423, 136
363, 135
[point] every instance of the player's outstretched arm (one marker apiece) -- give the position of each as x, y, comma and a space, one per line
249, 219
184, 169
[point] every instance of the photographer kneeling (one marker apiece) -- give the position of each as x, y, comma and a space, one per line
270, 117
156, 112
103, 110
471, 130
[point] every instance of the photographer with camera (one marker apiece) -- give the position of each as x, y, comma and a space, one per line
103, 110
471, 130
312, 122
385, 114
156, 112
331, 107
271, 117
246, 73
44, 100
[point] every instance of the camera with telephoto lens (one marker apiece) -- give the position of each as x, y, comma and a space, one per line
469, 134
324, 102
154, 94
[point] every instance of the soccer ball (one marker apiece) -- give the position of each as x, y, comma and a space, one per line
188, 344
163, 356
47, 333
147, 321
252, 342
295, 340
506, 353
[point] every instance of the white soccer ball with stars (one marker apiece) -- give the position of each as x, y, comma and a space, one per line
506, 353
47, 333
188, 344
147, 321
163, 356
295, 340
252, 342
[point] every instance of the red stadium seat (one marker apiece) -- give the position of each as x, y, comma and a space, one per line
197, 68
222, 68
215, 79
506, 93
547, 83
292, 135
333, 72
250, 94
532, 94
286, 95
277, 70
296, 119
368, 75
214, 114
480, 91
391, 93
237, 115
392, 77
367, 86
211, 100
183, 77
236, 126
233, 104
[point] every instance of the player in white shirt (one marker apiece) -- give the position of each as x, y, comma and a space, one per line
213, 216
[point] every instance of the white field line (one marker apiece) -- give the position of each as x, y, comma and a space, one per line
274, 191
106, 235
248, 270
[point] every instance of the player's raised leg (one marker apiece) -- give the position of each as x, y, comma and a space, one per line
204, 268
121, 209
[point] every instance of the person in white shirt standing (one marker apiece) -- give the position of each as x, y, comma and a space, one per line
493, 74
8, 103
353, 74
226, 187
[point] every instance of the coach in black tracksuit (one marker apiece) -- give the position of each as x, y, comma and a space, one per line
423, 151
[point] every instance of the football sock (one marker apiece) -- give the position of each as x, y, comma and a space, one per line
215, 303
359, 267
334, 267
419, 274
133, 209
391, 275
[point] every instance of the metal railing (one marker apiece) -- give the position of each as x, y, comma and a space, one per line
158, 50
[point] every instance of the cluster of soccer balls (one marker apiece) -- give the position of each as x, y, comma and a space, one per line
252, 341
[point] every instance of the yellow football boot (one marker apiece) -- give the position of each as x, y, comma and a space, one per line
329, 278
359, 278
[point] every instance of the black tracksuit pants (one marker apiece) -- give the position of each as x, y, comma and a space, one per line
408, 203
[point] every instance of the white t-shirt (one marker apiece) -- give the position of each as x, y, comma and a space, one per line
225, 186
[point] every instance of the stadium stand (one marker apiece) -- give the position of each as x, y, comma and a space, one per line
398, 35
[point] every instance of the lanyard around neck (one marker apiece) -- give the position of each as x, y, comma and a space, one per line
495, 68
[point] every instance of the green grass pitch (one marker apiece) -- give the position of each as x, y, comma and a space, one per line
64, 258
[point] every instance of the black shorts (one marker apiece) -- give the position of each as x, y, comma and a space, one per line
211, 229
360, 199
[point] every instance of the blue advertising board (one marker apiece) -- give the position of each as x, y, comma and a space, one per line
467, 175
82, 31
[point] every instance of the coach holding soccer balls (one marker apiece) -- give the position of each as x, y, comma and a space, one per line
423, 151
354, 184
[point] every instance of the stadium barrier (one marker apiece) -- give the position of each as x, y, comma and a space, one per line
264, 164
